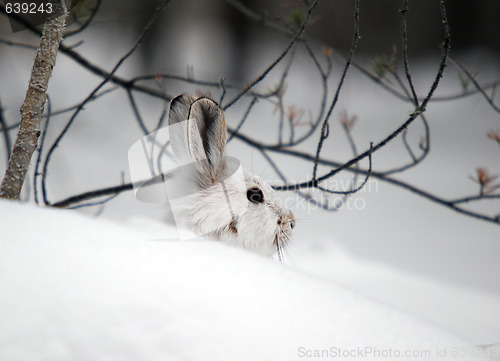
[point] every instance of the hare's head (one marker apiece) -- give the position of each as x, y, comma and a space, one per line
230, 204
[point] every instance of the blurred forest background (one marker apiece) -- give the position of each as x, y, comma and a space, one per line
474, 25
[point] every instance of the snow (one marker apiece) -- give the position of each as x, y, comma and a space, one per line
80, 288
472, 313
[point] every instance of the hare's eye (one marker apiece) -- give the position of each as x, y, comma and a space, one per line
255, 195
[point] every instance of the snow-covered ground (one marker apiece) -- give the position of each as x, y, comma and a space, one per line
76, 288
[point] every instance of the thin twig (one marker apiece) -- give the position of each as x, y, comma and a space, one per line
144, 34
243, 119
278, 60
478, 87
40, 151
324, 128
87, 22
6, 135
93, 194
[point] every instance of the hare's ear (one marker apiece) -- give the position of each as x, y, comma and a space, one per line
206, 133
179, 108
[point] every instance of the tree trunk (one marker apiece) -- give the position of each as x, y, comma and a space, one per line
32, 108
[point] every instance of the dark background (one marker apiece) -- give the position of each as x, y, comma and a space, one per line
474, 24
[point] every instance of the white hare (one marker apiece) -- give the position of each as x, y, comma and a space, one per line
256, 219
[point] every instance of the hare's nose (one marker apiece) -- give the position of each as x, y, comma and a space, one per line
287, 219
292, 221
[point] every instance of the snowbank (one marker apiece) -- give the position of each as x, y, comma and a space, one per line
469, 312
76, 288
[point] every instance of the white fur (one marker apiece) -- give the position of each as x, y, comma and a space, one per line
220, 207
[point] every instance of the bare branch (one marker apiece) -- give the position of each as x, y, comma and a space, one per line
278, 60
93, 194
5, 131
478, 87
324, 128
87, 21
39, 157
144, 34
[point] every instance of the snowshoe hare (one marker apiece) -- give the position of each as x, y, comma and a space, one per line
229, 203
